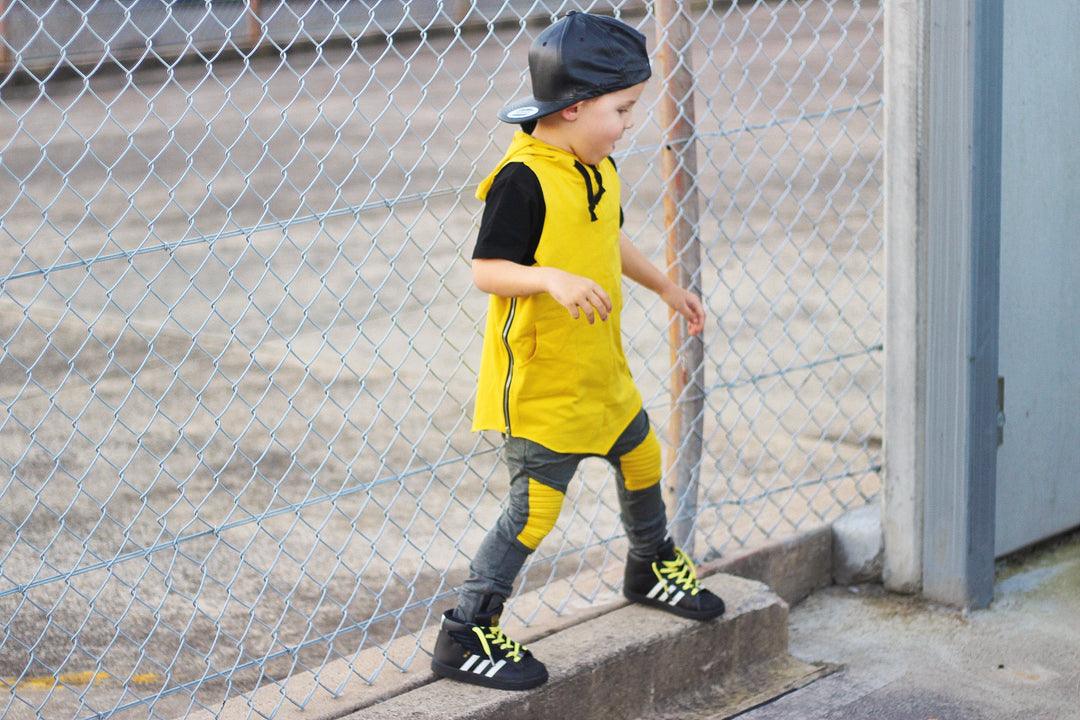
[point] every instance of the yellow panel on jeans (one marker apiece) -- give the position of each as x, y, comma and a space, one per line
544, 506
641, 467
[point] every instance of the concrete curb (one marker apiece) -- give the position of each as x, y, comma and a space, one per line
858, 546
620, 664
792, 568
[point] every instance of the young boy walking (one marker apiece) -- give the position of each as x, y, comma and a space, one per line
553, 376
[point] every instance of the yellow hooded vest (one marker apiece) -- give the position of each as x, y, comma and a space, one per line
543, 375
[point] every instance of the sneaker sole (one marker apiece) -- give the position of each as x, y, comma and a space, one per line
674, 609
453, 673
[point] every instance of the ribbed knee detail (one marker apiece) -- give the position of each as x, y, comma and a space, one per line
545, 503
642, 467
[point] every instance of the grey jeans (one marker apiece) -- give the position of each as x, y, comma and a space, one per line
501, 555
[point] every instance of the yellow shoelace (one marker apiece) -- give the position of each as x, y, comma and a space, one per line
495, 637
680, 572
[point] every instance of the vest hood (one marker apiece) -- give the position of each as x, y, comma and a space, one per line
524, 147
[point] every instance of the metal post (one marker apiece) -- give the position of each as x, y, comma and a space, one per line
255, 29
5, 51
462, 8
963, 231
673, 30
988, 40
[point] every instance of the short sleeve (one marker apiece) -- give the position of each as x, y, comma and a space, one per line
513, 217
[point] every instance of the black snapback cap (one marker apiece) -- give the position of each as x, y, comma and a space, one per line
576, 58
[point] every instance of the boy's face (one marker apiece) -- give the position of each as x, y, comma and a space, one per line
597, 124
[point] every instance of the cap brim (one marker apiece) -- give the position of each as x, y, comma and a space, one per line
529, 108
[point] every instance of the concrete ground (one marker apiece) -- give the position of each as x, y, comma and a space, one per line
899, 659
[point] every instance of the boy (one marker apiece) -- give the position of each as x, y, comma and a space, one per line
553, 377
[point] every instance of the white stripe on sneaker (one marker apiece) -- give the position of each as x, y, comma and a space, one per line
480, 665
661, 592
656, 589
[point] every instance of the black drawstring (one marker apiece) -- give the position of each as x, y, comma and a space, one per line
594, 199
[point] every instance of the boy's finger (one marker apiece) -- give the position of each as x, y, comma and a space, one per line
695, 319
607, 301
603, 309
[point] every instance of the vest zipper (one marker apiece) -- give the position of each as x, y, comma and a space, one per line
509, 363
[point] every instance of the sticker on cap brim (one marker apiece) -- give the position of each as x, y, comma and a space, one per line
522, 112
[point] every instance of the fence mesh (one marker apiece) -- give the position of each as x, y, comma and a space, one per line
238, 337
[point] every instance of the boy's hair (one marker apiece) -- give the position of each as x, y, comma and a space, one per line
577, 58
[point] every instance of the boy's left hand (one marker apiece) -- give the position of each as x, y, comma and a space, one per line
689, 306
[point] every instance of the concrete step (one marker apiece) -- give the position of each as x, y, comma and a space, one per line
630, 662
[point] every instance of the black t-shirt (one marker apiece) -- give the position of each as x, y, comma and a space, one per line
513, 216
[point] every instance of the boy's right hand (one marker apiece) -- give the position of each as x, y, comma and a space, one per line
579, 295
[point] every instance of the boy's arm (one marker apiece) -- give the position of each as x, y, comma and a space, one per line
640, 269
505, 278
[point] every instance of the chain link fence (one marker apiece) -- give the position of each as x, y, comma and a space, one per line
238, 336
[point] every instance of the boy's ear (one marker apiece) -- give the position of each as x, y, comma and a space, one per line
570, 113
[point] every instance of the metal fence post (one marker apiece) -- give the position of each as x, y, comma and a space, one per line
254, 24
681, 219
5, 51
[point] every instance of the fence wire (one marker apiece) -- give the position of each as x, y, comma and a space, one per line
238, 336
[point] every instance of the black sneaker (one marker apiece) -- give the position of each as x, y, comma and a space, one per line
669, 582
483, 655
